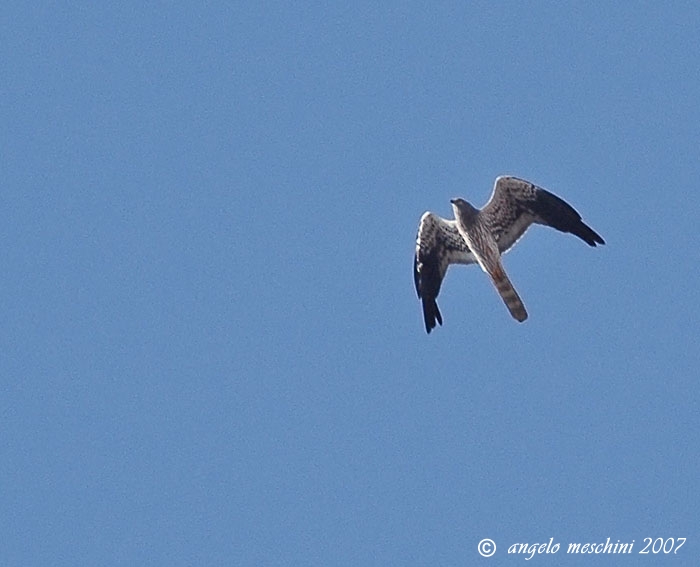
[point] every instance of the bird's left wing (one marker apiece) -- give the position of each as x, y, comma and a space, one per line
515, 204
438, 245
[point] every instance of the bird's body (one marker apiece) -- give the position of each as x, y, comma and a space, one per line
473, 226
481, 236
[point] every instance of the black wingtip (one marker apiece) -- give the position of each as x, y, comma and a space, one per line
558, 214
431, 314
587, 234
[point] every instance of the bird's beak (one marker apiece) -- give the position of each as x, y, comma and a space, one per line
453, 201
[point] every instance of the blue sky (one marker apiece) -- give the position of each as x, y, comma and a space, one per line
212, 351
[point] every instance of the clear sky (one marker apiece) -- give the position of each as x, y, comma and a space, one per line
212, 352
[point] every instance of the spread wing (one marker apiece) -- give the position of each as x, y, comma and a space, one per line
438, 245
515, 204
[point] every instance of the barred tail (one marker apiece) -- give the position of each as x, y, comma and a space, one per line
508, 294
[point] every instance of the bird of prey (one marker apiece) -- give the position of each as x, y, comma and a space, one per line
481, 236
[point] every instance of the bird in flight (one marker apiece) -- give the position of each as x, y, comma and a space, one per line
481, 236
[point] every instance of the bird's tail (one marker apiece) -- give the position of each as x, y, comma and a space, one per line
508, 294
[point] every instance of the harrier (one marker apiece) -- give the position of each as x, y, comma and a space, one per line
481, 236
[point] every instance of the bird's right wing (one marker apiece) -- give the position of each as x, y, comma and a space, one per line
438, 245
515, 204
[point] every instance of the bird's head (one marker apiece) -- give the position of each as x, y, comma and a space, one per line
463, 209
